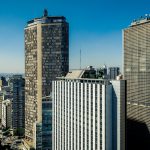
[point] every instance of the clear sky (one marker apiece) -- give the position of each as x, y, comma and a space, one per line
95, 28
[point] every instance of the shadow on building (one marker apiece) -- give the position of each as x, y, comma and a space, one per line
138, 136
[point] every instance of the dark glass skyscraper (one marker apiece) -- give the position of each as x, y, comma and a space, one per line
18, 105
47, 123
46, 57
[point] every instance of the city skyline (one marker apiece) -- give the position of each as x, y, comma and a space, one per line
93, 29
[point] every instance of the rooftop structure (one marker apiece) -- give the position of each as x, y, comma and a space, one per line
46, 19
142, 19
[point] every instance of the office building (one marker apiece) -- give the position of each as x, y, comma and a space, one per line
7, 114
102, 72
46, 57
44, 129
18, 105
136, 40
47, 123
3, 81
1, 100
113, 72
1, 85
89, 113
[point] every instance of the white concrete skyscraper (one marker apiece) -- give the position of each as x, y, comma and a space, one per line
89, 113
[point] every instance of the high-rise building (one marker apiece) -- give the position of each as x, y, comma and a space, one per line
44, 129
1, 85
136, 40
46, 57
18, 105
47, 123
89, 113
113, 72
1, 100
7, 113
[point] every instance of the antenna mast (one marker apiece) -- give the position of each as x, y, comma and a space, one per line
80, 59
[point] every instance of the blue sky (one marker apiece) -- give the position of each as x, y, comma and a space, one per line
95, 28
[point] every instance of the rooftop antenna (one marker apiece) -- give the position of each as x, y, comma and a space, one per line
45, 13
80, 59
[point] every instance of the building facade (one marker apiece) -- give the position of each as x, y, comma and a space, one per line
136, 40
1, 100
137, 69
7, 114
102, 72
46, 57
3, 81
89, 113
1, 85
18, 105
113, 72
44, 129
47, 123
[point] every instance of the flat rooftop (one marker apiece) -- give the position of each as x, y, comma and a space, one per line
47, 19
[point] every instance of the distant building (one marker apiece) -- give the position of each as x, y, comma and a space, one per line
89, 113
8, 95
6, 90
7, 113
0, 85
113, 72
10, 83
1, 100
4, 82
102, 72
18, 105
46, 57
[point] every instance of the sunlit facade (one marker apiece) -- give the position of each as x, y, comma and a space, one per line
89, 113
46, 57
